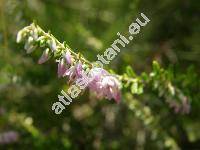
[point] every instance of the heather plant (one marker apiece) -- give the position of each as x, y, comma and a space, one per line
156, 74
102, 83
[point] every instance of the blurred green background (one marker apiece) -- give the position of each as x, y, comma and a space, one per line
28, 90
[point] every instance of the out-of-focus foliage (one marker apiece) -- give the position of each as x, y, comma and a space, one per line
145, 121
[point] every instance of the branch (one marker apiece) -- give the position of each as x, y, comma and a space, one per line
104, 84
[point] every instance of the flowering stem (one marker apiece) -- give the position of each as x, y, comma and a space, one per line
62, 45
158, 79
77, 56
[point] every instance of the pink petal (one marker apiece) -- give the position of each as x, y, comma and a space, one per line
61, 68
68, 57
79, 69
45, 56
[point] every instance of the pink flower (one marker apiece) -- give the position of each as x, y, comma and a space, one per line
96, 73
110, 86
45, 56
95, 76
104, 85
64, 64
78, 69
74, 72
9, 137
68, 57
183, 107
62, 68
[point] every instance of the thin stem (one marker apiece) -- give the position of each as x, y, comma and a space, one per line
120, 77
63, 46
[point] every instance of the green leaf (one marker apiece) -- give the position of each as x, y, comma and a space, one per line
130, 71
112, 71
144, 76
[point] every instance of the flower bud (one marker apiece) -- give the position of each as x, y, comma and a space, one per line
79, 69
34, 34
19, 36
9, 137
29, 47
45, 56
68, 57
52, 45
62, 68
